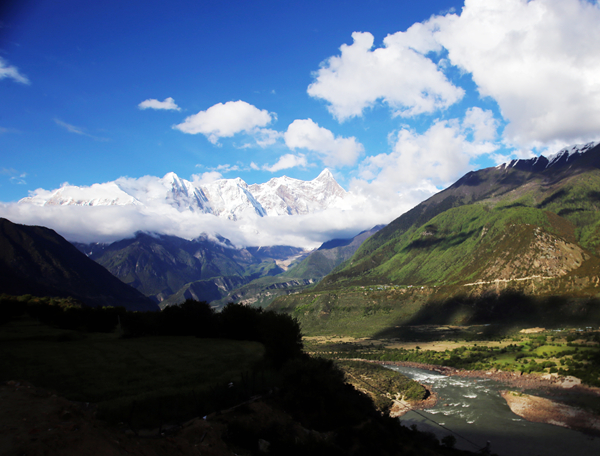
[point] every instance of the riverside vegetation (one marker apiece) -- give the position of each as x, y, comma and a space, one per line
574, 352
140, 375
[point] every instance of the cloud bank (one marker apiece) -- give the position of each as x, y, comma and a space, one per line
537, 59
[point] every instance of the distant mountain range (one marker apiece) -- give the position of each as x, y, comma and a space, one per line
206, 268
300, 275
227, 198
530, 225
170, 270
36, 260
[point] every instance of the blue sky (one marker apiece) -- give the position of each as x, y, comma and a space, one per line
89, 65
397, 98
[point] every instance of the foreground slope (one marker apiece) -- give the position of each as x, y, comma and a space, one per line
36, 260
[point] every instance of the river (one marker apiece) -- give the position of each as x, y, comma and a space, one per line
475, 411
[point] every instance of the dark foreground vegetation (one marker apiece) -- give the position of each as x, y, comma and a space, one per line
149, 370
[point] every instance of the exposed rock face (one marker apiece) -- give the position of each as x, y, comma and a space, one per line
527, 251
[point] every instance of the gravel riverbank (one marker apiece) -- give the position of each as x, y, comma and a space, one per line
564, 413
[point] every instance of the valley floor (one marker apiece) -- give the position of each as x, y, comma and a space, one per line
536, 396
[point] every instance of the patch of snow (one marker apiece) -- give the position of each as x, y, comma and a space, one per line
568, 152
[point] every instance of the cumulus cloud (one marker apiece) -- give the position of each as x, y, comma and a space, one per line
537, 59
399, 74
334, 151
481, 123
287, 161
225, 120
420, 164
167, 104
11, 72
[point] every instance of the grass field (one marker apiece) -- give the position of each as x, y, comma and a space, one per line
130, 379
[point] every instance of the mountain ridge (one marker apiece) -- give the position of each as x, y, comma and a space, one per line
161, 265
531, 225
226, 198
36, 260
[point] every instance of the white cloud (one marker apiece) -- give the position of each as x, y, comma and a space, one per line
266, 137
112, 223
399, 74
226, 168
334, 151
482, 124
225, 120
20, 179
287, 161
538, 59
70, 128
206, 178
11, 72
420, 164
168, 104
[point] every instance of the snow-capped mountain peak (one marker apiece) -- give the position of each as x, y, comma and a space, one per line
287, 196
227, 198
558, 159
568, 152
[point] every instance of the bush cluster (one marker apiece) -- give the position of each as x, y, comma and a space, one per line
279, 333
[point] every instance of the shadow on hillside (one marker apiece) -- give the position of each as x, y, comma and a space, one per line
446, 241
511, 206
509, 308
559, 194
593, 195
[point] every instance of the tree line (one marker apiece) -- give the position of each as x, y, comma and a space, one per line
279, 333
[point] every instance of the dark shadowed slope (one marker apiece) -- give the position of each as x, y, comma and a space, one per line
36, 260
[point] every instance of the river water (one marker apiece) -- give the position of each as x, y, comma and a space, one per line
475, 411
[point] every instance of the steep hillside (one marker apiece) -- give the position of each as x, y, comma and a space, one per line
36, 260
161, 266
456, 235
530, 226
